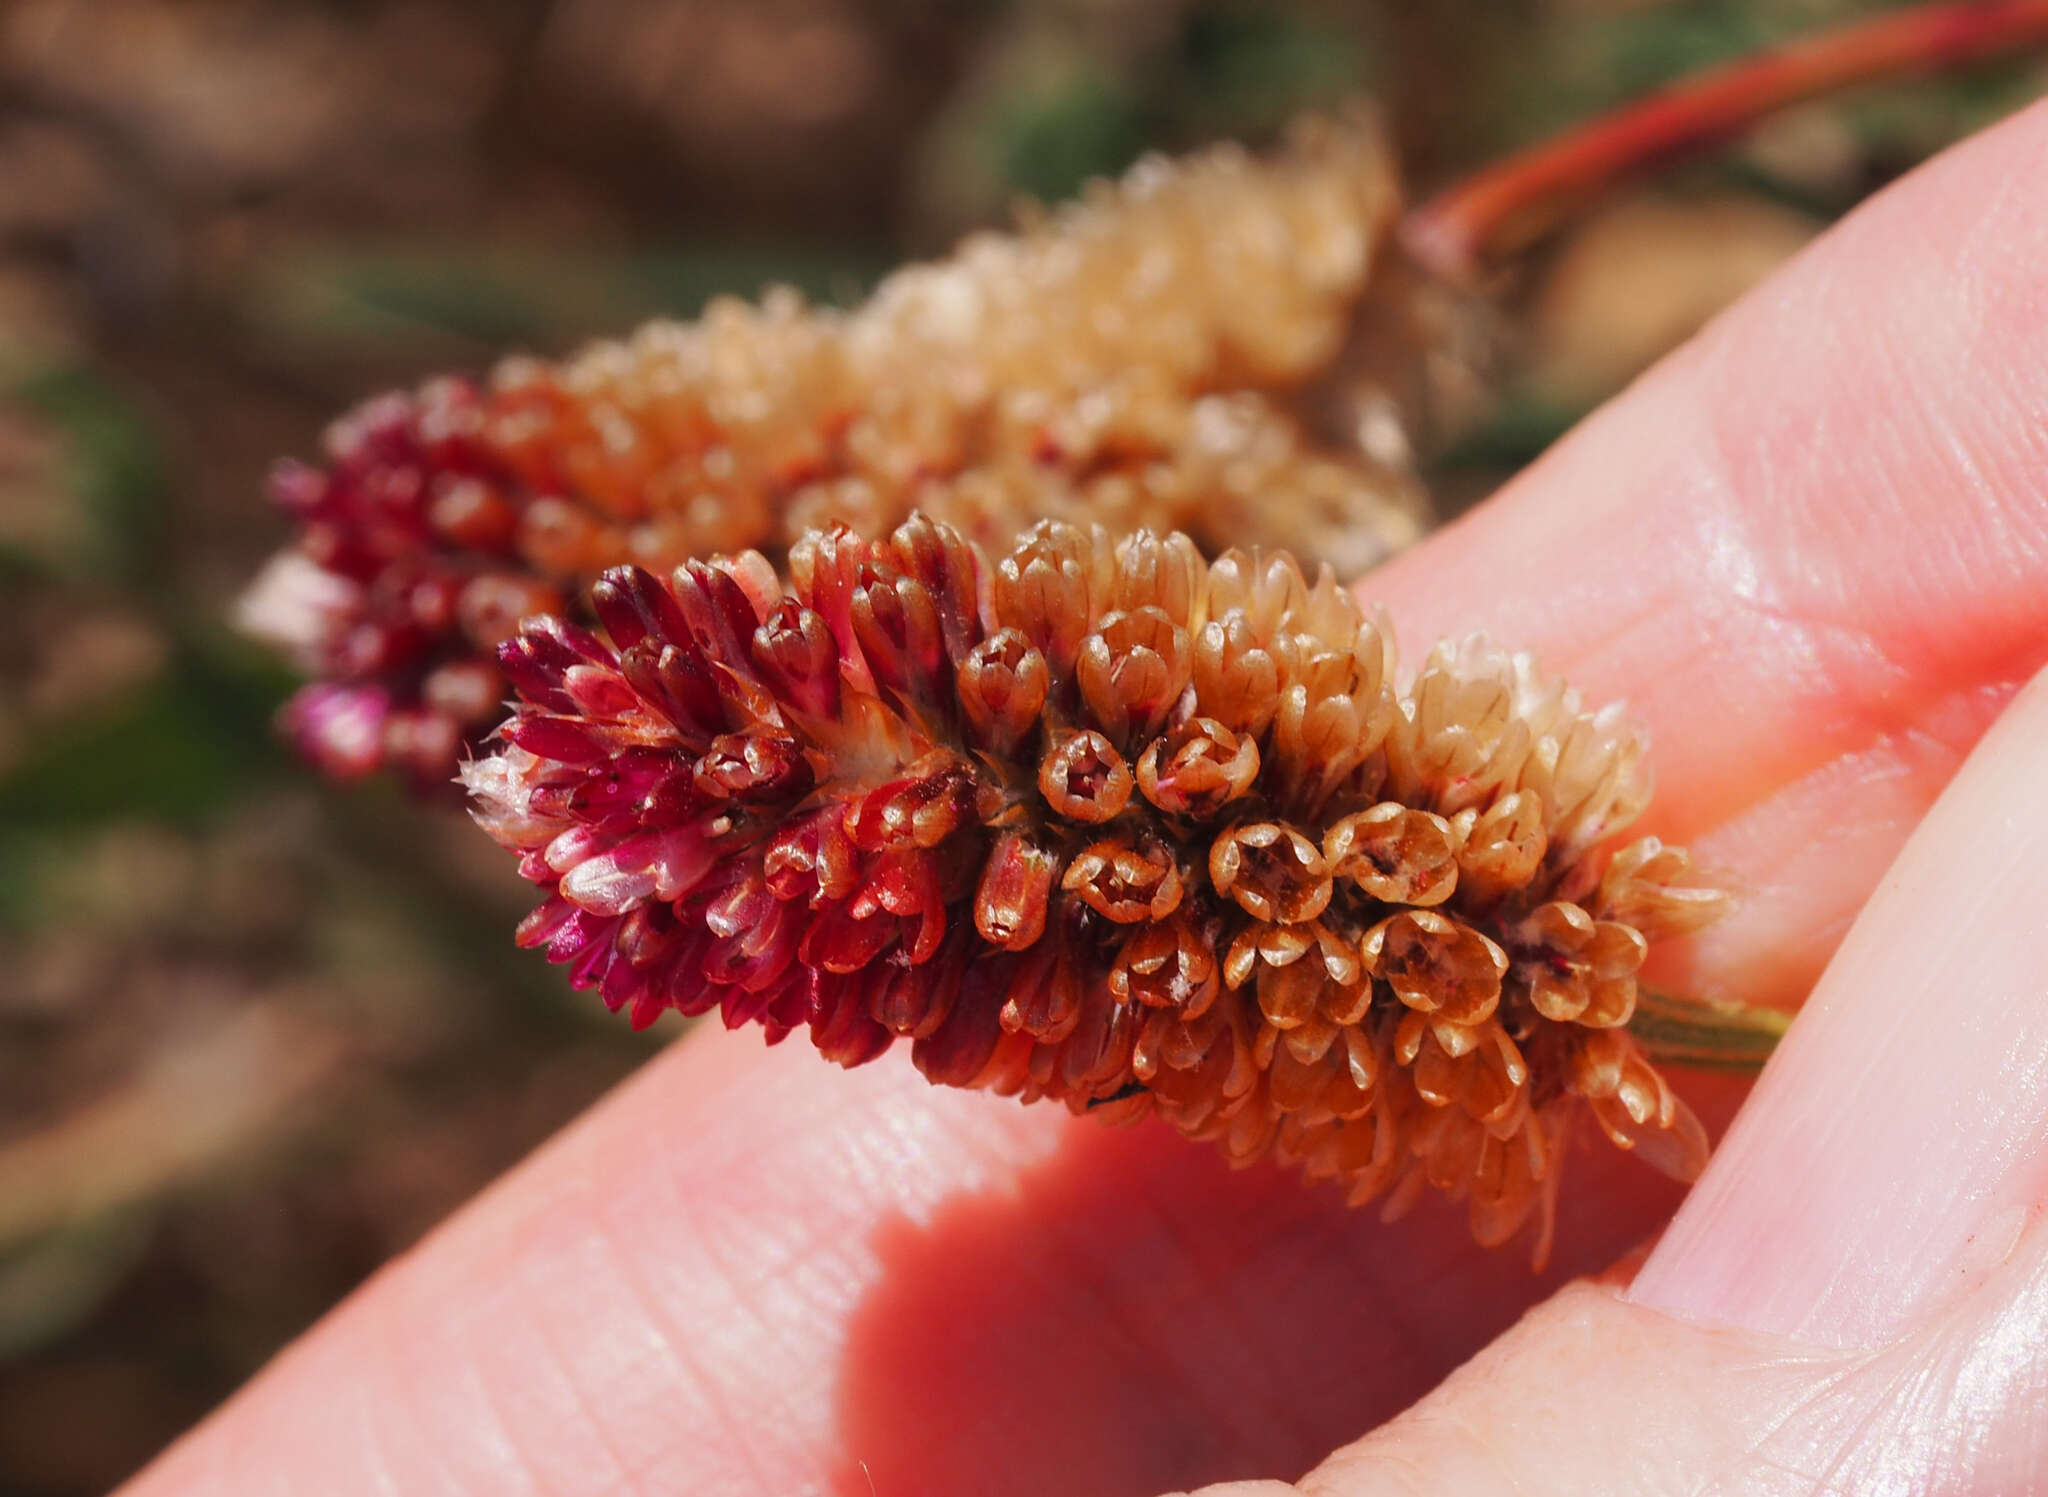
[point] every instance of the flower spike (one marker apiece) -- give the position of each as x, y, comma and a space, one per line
1108, 825
1145, 356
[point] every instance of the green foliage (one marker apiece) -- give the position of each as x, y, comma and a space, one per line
1054, 137
422, 295
1250, 68
113, 469
181, 748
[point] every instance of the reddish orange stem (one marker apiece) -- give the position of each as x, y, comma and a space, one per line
1508, 206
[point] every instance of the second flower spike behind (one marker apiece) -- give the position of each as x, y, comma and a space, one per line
1115, 826
1183, 349
1246, 349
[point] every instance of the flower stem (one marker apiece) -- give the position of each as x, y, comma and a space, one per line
1506, 207
1707, 1036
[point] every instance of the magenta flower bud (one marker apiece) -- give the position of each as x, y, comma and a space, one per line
799, 659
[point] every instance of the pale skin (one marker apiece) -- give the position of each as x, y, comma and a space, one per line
1811, 550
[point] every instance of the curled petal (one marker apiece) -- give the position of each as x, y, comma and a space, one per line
1162, 572
949, 570
1273, 872
753, 767
901, 638
1656, 890
1084, 778
1633, 1104
798, 659
1291, 996
1016, 886
661, 865
632, 605
1236, 678
915, 1001
1126, 881
1501, 848
1003, 684
718, 609
1044, 998
1132, 671
1436, 965
1166, 965
1051, 585
1198, 768
1394, 854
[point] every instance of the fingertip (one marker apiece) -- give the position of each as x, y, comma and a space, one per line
1907, 1112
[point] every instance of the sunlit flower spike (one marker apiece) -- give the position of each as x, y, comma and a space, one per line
1115, 826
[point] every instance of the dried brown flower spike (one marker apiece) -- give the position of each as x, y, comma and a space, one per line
1114, 826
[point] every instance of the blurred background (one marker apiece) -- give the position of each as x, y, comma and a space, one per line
256, 1033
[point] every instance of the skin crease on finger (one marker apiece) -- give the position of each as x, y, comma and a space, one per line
1812, 550
1593, 1397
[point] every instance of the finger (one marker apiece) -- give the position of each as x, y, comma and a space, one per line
1808, 550
1905, 1126
745, 1273
1866, 1250
1591, 1396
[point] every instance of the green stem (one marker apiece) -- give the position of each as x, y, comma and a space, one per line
1707, 1036
1507, 207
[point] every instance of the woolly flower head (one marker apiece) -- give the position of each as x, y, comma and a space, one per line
1114, 826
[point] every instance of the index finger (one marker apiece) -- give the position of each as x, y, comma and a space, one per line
1812, 550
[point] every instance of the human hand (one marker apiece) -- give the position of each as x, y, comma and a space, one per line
1812, 551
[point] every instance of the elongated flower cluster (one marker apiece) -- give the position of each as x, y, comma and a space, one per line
1112, 825
1141, 357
